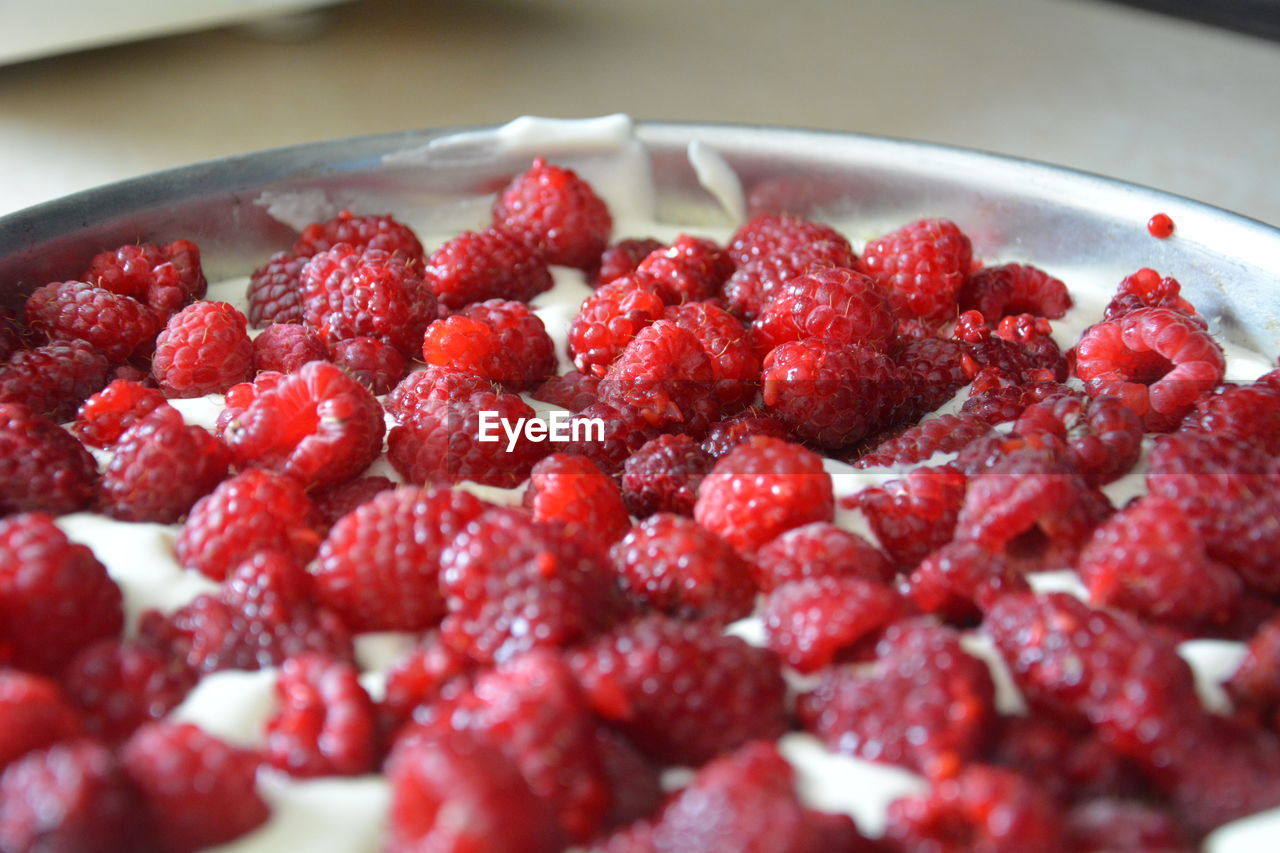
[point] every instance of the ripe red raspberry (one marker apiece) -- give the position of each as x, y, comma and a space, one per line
383, 233
624, 431
727, 434
666, 375
163, 277
498, 340
454, 791
960, 580
914, 515
1037, 355
675, 566
634, 781
1071, 763
348, 292
56, 596
925, 704
117, 326
429, 671
1219, 771
204, 349
1249, 413
106, 415
922, 266
512, 584
1102, 437
1114, 824
284, 347
317, 427
573, 391
379, 566
622, 258
54, 379
118, 685
324, 724
933, 371
725, 341
689, 270
664, 475
489, 264
1255, 685
1147, 289
608, 320
250, 512
423, 389
571, 490
42, 467
1156, 360
942, 434
682, 691
761, 489
981, 808
441, 443
557, 213
771, 249
198, 790
160, 467
11, 337
333, 503
830, 393
809, 622
275, 290
1014, 289
71, 796
996, 399
835, 303
818, 550
34, 714
376, 365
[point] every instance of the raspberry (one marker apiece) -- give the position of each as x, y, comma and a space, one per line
489, 264
1071, 763
1255, 686
382, 233
682, 691
922, 266
160, 467
665, 375
72, 796
634, 783
241, 396
333, 503
914, 515
54, 379
730, 432
165, 278
830, 393
42, 468
55, 596
1218, 772
809, 622
454, 791
317, 427
834, 303
1009, 289
250, 512
1249, 413
375, 365
512, 584
1034, 335
981, 808
994, 398
348, 292
197, 789
573, 391
960, 580
818, 550
441, 444
1156, 360
284, 347
676, 566
204, 349
1112, 824
941, 434
423, 389
501, 341
33, 715
933, 371
557, 213
1147, 289
379, 566
664, 475
624, 432
11, 334
120, 684
115, 325
771, 249
1102, 437
608, 320
689, 270
725, 341
925, 704
324, 724
761, 489
622, 258
428, 671
1147, 558
275, 295
572, 491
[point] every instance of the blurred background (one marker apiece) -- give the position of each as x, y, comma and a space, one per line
93, 92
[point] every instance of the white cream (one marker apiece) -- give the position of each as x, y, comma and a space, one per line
1254, 834
1212, 663
233, 705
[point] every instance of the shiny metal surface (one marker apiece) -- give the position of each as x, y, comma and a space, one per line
1013, 210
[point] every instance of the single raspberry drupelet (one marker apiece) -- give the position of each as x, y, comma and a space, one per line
42, 467
761, 489
376, 365
117, 326
56, 596
809, 622
960, 580
771, 249
571, 490
675, 566
725, 341
664, 475
165, 278
666, 375
204, 349
573, 391
1009, 289
499, 340
622, 258
689, 270
117, 685
834, 303
916, 514
489, 264
284, 347
557, 213
383, 233
818, 550
54, 379
324, 724
379, 566
727, 434
609, 319
34, 714
275, 290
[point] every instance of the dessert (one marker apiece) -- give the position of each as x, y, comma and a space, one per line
529, 657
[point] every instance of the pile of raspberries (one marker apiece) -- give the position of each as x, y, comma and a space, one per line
572, 649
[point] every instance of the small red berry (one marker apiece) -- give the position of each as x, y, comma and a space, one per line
204, 349
1160, 226
557, 213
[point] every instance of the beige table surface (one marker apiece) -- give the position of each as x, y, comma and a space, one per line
1162, 102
